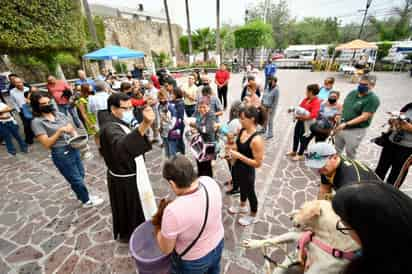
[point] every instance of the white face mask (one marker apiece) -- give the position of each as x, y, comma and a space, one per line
128, 117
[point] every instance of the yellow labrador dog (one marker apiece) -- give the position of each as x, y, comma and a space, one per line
322, 248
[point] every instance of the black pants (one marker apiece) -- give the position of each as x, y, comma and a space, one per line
393, 156
204, 168
300, 141
235, 183
247, 191
28, 132
222, 93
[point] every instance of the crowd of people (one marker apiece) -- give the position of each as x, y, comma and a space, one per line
126, 117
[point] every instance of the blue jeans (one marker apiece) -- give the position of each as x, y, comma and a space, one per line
9, 130
209, 264
68, 162
166, 146
68, 109
172, 147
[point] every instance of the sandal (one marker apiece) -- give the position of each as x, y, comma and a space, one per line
291, 154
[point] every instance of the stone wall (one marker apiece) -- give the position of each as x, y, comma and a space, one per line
144, 36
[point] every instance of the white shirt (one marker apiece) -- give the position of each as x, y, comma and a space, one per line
98, 102
17, 98
6, 115
152, 93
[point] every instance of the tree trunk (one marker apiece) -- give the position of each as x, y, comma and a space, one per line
92, 28
189, 31
59, 72
218, 46
169, 26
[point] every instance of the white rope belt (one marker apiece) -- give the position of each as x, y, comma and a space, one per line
121, 175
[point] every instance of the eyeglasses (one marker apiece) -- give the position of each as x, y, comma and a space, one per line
126, 108
342, 228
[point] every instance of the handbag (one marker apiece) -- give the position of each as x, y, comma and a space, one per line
382, 140
188, 248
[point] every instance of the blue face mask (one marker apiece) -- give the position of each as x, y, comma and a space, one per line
128, 117
362, 88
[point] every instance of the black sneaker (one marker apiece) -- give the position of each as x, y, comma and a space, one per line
233, 192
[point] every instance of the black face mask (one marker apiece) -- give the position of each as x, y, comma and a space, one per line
332, 100
47, 109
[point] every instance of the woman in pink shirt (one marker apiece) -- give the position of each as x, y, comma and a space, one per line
191, 227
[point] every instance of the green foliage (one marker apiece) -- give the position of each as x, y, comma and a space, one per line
184, 44
253, 35
204, 40
313, 30
100, 31
161, 59
66, 58
40, 26
227, 38
120, 67
383, 50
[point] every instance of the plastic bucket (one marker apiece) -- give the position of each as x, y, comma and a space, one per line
146, 253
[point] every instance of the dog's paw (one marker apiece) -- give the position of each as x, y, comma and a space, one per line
249, 243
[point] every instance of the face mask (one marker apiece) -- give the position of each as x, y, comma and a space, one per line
47, 109
362, 88
128, 117
332, 100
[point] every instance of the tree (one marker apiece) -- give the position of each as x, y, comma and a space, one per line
169, 27
253, 35
278, 16
204, 41
90, 23
314, 30
227, 39
189, 32
218, 46
184, 44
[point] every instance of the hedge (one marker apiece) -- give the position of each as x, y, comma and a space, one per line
39, 26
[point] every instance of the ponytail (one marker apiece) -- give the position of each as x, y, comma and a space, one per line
259, 114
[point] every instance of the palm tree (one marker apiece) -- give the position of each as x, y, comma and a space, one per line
189, 31
218, 47
205, 41
169, 26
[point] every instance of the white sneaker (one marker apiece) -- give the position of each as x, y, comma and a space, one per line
238, 209
247, 220
93, 201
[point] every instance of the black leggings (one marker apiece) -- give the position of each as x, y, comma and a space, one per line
222, 93
299, 139
392, 156
204, 168
247, 191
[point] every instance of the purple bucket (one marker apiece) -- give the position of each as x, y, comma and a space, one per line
146, 253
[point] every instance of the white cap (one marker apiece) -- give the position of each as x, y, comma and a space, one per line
318, 154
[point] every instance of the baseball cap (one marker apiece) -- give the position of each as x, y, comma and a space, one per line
318, 154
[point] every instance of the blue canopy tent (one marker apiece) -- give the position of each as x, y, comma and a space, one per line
113, 53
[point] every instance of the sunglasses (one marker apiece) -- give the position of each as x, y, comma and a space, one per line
342, 228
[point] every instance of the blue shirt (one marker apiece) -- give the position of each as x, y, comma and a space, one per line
270, 69
86, 81
323, 94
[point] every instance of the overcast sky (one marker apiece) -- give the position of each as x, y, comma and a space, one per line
203, 12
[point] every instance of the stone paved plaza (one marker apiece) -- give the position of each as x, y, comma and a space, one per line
43, 228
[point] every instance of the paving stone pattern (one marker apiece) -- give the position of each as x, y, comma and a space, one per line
43, 228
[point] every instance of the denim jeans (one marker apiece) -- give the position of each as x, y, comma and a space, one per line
68, 162
172, 145
9, 130
68, 109
166, 146
209, 264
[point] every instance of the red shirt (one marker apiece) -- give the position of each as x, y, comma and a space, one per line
56, 91
312, 106
155, 81
138, 102
222, 76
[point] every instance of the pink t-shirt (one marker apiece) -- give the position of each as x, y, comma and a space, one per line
183, 219
56, 91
